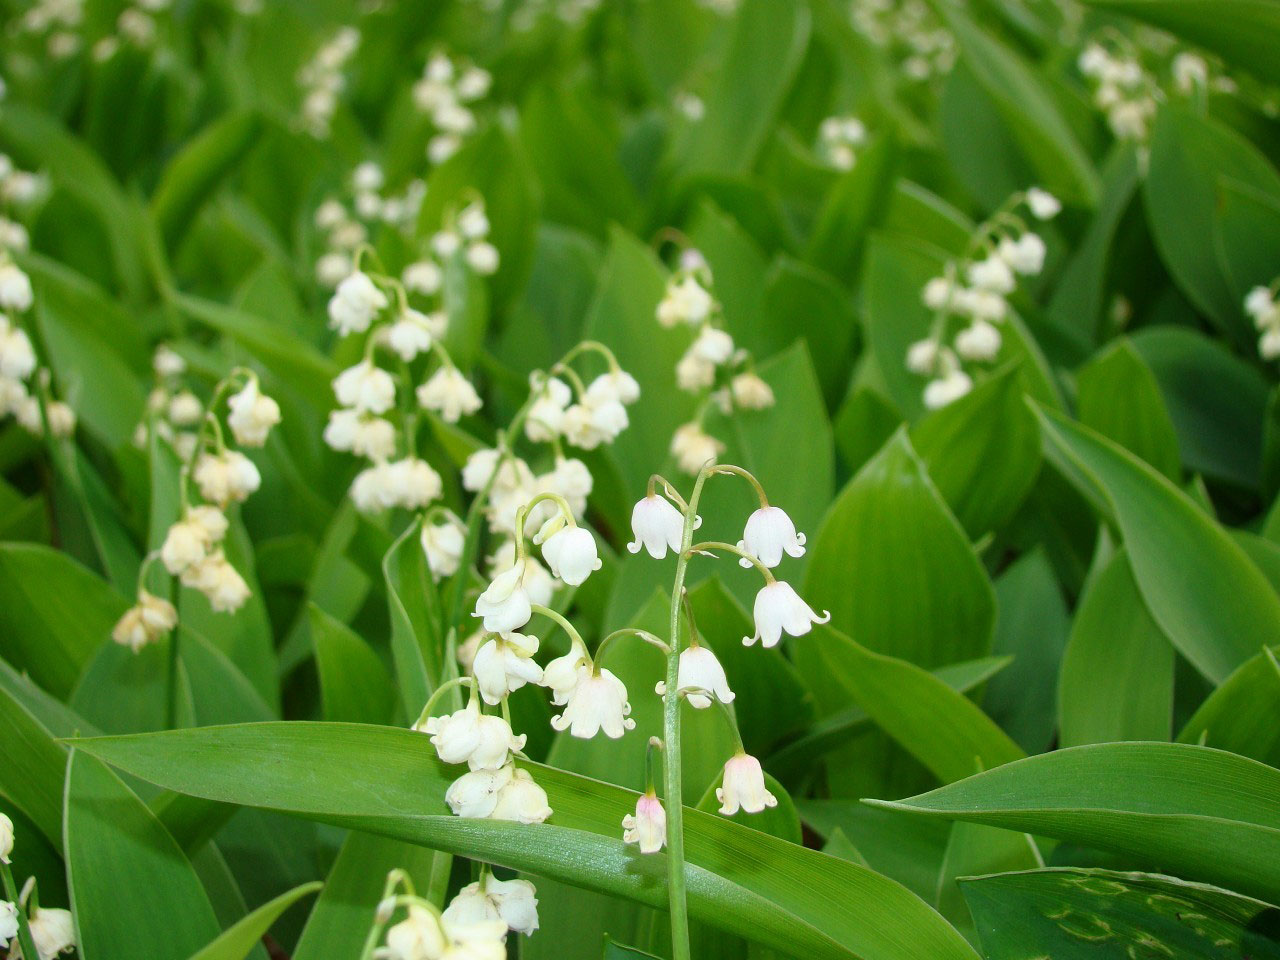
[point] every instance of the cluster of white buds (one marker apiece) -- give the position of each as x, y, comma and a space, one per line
973, 290
839, 139
910, 32
1123, 90
474, 926
1263, 308
346, 221
52, 929
22, 190
59, 21
322, 81
712, 365
136, 26
173, 410
463, 234
446, 92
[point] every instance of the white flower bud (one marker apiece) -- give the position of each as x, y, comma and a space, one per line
53, 932
412, 483
1269, 344
366, 388
6, 840
947, 389
367, 177
769, 532
714, 346
570, 479
417, 937
694, 448
15, 288
1043, 204
1025, 255
17, 356
414, 331
979, 341
443, 544
617, 385
751, 392
685, 301
483, 258
505, 605
598, 702
657, 525
167, 364
594, 421
228, 478
450, 394
546, 414
647, 827
329, 214
571, 554
187, 542
219, 581
777, 608
991, 274
475, 794
185, 409
694, 373
252, 415
514, 902
521, 800
563, 674
743, 787
504, 664
147, 621
422, 276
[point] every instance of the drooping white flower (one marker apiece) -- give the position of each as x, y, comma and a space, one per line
647, 827
768, 533
8, 922
6, 839
145, 622
17, 356
750, 391
413, 332
355, 303
1043, 204
450, 394
712, 345
514, 902
1025, 255
947, 389
188, 541
938, 293
219, 581
571, 554
252, 415
418, 936
361, 433
227, 478
468, 736
15, 288
537, 581
505, 605
743, 787
475, 794
483, 257
598, 702
53, 932
522, 800
694, 448
992, 274
593, 421
777, 608
615, 385
978, 341
657, 525
562, 675
1261, 305
685, 301
694, 373
504, 664
412, 483
366, 388
982, 304
922, 356
422, 276
700, 671
185, 409
546, 414
1269, 344
443, 542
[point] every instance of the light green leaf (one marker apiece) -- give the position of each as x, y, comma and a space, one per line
414, 644
1117, 395
354, 685
238, 941
1242, 715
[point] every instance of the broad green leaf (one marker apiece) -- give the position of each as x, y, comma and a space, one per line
863, 423
1117, 670
238, 941
738, 268
802, 302
1240, 31
34, 769
56, 614
919, 591
1243, 714
1074, 914
974, 850
983, 452
1215, 612
855, 201
133, 891
220, 692
354, 685
1191, 811
414, 644
387, 780
1117, 395
941, 728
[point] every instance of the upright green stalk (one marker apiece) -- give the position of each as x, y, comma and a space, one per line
671, 737
24, 930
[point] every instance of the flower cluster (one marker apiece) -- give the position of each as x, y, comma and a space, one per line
474, 926
446, 93
51, 929
347, 221
838, 141
910, 32
1263, 308
1122, 89
973, 291
193, 545
322, 81
463, 233
711, 366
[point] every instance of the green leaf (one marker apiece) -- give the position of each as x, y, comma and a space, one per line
1217, 613
388, 780
1242, 715
1195, 812
1117, 395
354, 685
414, 644
34, 769
855, 201
133, 891
238, 941
1117, 671
921, 593
1076, 914
193, 175
1240, 31
57, 614
617, 951
974, 849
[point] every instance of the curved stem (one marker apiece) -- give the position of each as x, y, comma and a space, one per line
729, 468
669, 488
725, 711
569, 628
731, 548
439, 692
644, 635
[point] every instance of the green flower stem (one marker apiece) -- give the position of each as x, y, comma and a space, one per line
730, 469
644, 635
731, 548
575, 638
440, 691
24, 930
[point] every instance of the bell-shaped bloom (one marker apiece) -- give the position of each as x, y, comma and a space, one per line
598, 702
355, 303
475, 794
8, 922
563, 674
17, 355
188, 541
743, 787
750, 392
615, 385
360, 433
520, 799
505, 605
1044, 205
15, 288
481, 741
779, 608
768, 534
514, 902
146, 622
412, 483
647, 827
449, 394
504, 664
594, 421
992, 273
219, 581
6, 838
414, 331
443, 543
571, 554
1025, 255
545, 419
419, 936
229, 477
685, 301
252, 415
701, 671
366, 388
947, 389
657, 525
693, 447
979, 341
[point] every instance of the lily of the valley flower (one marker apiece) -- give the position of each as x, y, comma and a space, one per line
443, 543
743, 787
145, 622
1044, 205
366, 388
615, 385
779, 608
593, 421
947, 389
8, 922
15, 288
571, 554
1025, 255
751, 392
693, 447
657, 525
360, 433
475, 795
252, 415
514, 902
562, 675
6, 838
53, 931
685, 301
505, 605
481, 741
229, 477
647, 827
504, 664
546, 414
521, 800
413, 332
219, 581
769, 532
354, 304
597, 702
978, 341
188, 541
449, 394
700, 674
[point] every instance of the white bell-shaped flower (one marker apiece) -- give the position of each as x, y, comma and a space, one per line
366, 388
514, 902
546, 414
418, 936
483, 257
456, 735
947, 389
413, 483
414, 331
15, 288
992, 274
227, 478
146, 622
768, 534
779, 608
17, 356
647, 827
615, 385
443, 542
979, 341
1043, 204
521, 800
219, 581
701, 671
8, 922
694, 448
505, 605
571, 479
922, 356
694, 372
743, 787
598, 702
185, 409
1025, 255
53, 932
563, 674
685, 301
594, 421
6, 838
657, 525
475, 794
188, 541
449, 394
504, 664
355, 303
714, 346
537, 582
360, 433
424, 277
750, 392
571, 554
252, 415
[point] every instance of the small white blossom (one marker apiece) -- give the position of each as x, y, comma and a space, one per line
768, 533
483, 258
598, 702
571, 479
366, 388
571, 554
475, 794
685, 301
188, 541
185, 409
6, 839
700, 671
562, 675
504, 664
521, 800
1025, 255
693, 447
332, 268
53, 932
694, 372
594, 421
355, 303
423, 276
145, 622
647, 827
360, 433
228, 478
417, 937
779, 608
450, 394
922, 356
505, 605
443, 543
991, 274
714, 346
468, 736
751, 392
17, 356
979, 341
1043, 204
743, 787
615, 385
514, 902
657, 525
15, 288
8, 922
947, 389
546, 414
252, 415
413, 332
